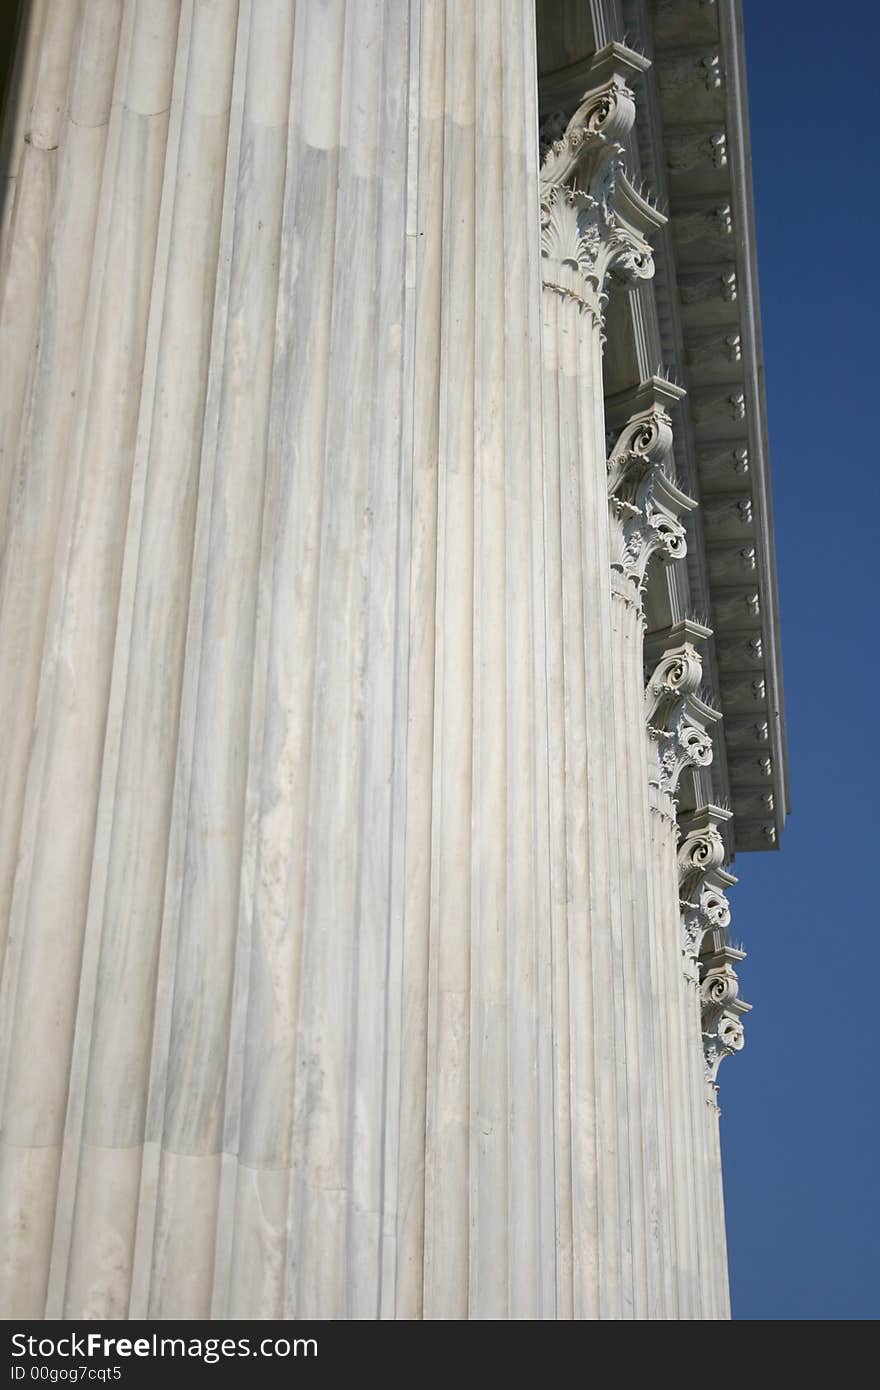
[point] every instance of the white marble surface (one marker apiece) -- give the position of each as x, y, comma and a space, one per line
325, 847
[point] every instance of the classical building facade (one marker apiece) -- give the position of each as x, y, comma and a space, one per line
390, 665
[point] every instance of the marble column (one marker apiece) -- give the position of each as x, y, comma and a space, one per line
341, 973
278, 1030
721, 1014
702, 884
646, 511
74, 472
609, 1114
678, 735
713, 1013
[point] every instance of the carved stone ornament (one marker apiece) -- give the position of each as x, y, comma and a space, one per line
722, 1010
741, 651
745, 732
719, 405
726, 515
703, 881
708, 956
743, 690
738, 608
683, 73
722, 461
645, 502
716, 287
714, 225
716, 349
594, 222
732, 564
678, 718
689, 147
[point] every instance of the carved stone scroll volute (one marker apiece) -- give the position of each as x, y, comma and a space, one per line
709, 958
703, 885
594, 222
678, 720
645, 502
722, 1009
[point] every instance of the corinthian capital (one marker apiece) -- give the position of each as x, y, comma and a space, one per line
678, 718
646, 504
703, 881
594, 222
721, 1008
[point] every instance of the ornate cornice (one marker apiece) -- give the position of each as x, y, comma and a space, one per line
693, 120
645, 502
594, 222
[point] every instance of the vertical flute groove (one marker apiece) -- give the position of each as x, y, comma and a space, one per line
26, 561
431, 79
29, 229
343, 969
52, 883
447, 1195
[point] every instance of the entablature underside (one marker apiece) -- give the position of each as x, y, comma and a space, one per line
698, 322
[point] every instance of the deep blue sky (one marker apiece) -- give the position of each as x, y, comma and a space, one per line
800, 1120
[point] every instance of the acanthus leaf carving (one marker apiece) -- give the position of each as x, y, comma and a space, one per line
594, 222
678, 718
722, 1010
703, 881
646, 504
708, 957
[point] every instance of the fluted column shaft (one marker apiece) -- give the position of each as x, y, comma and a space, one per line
340, 962
712, 1265
716, 1197
611, 1153
278, 1027
594, 1210
677, 738
488, 1171
647, 1096
677, 1063
45, 413
74, 658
